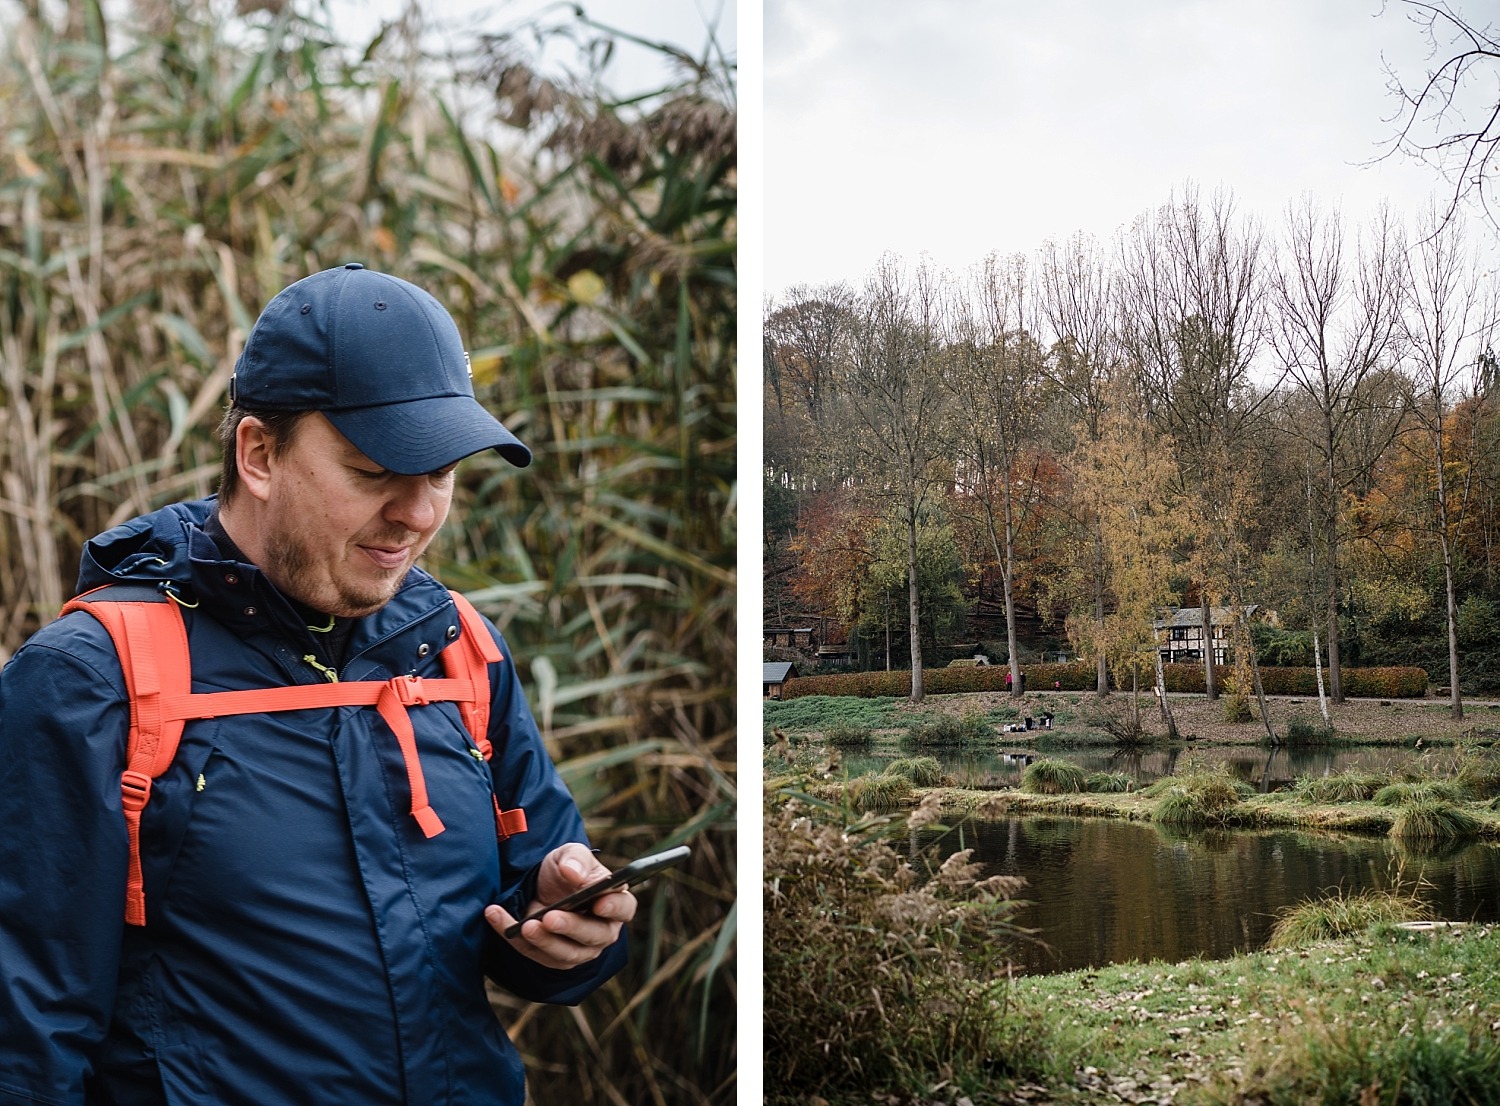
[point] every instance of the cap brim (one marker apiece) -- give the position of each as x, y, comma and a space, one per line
424, 435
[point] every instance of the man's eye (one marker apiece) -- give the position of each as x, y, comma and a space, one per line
377, 474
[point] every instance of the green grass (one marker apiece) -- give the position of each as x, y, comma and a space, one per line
973, 729
1315, 1024
821, 712
1107, 783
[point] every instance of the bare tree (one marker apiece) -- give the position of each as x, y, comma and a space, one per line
807, 337
1338, 313
996, 368
1450, 323
891, 407
806, 341
1075, 293
1450, 117
1191, 317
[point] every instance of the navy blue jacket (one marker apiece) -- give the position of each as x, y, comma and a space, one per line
305, 943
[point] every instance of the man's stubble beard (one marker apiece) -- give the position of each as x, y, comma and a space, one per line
289, 566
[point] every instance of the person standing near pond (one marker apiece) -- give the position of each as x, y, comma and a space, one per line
322, 891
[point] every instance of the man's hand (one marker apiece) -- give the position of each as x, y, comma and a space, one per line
561, 938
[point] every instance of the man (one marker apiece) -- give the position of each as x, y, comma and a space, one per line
306, 939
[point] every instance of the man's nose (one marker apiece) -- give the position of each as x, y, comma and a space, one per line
413, 504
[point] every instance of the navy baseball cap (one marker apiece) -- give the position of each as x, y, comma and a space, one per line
382, 360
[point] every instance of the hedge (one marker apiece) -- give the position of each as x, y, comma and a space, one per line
1360, 683
941, 681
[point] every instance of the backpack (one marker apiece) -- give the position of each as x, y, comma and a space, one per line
151, 640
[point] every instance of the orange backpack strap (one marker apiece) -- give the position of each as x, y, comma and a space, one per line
149, 637
468, 659
151, 640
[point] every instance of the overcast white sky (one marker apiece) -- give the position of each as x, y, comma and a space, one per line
958, 127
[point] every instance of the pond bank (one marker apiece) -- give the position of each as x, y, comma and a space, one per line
1274, 811
1346, 1021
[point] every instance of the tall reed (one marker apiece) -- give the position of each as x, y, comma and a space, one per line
164, 177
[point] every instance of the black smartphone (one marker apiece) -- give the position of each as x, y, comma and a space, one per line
628, 876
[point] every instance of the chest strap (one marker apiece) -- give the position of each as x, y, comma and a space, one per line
151, 640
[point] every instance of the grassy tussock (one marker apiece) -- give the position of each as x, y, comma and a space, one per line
1344, 787
1480, 776
1108, 783
921, 771
877, 794
1196, 799
1053, 777
1433, 820
1343, 916
1426, 791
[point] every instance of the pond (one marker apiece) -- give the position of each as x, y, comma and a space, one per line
1104, 891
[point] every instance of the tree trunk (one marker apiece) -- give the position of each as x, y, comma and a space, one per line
1161, 695
1335, 661
1455, 699
1101, 666
1318, 670
1210, 680
1007, 568
888, 629
1260, 690
1006, 559
913, 607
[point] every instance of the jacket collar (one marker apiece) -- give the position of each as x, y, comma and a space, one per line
171, 549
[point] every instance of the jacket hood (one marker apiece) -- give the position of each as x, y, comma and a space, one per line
153, 548
171, 550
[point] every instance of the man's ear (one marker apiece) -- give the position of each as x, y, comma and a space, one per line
252, 443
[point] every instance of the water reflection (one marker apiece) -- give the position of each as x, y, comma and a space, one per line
1105, 891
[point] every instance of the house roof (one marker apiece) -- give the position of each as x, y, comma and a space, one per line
1193, 616
777, 672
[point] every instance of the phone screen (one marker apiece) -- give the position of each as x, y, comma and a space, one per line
628, 876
